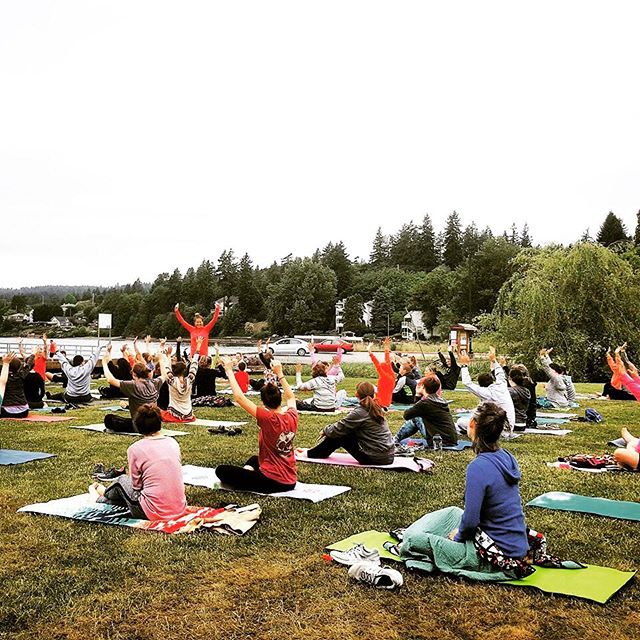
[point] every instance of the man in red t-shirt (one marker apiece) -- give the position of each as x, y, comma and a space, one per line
274, 468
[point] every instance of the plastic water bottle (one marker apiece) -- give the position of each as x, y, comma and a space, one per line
437, 442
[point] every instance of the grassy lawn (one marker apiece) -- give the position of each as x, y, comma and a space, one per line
64, 579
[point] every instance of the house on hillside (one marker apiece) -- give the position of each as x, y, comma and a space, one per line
20, 318
61, 322
367, 313
226, 303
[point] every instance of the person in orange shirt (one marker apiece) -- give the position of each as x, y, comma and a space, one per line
199, 328
386, 375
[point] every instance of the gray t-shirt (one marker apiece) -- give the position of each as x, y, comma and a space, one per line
140, 392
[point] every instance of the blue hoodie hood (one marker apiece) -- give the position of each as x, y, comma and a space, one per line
504, 462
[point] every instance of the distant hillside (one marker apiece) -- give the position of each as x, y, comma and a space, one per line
48, 290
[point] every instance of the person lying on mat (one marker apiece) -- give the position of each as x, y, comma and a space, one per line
386, 374
274, 468
322, 385
556, 388
629, 456
614, 390
4, 373
627, 374
14, 403
142, 389
491, 387
180, 380
363, 433
430, 415
492, 521
154, 489
198, 329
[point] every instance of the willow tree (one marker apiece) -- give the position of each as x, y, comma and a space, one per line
579, 300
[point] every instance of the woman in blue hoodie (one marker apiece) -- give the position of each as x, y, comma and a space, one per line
492, 500
489, 540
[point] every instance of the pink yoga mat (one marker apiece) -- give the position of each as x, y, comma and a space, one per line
37, 417
344, 459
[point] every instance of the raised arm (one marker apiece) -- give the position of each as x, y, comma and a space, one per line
213, 320
106, 357
181, 320
238, 396
289, 398
545, 361
4, 374
216, 357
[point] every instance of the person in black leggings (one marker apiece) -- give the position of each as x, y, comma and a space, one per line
274, 468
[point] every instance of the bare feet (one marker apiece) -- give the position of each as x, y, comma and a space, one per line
626, 436
96, 490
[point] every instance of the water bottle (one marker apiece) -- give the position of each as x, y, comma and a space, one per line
437, 442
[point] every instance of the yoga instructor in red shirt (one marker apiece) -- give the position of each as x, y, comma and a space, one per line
200, 329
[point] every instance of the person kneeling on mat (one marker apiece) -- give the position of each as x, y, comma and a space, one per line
364, 433
141, 390
274, 468
154, 490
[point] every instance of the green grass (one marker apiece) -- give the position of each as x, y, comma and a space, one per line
63, 579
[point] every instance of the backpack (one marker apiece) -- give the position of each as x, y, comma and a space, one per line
591, 415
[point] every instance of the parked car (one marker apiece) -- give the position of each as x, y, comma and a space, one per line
289, 347
332, 344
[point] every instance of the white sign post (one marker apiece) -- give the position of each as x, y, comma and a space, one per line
104, 322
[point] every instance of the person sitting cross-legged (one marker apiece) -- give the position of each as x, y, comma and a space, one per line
274, 468
364, 432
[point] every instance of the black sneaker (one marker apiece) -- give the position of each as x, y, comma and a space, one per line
109, 475
58, 410
99, 468
224, 430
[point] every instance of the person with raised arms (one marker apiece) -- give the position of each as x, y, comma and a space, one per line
198, 330
386, 374
274, 468
142, 389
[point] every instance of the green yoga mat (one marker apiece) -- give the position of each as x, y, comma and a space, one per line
591, 583
561, 501
370, 539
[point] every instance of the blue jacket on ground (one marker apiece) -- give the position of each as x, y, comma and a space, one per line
492, 502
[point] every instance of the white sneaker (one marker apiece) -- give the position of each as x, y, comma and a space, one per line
376, 575
356, 554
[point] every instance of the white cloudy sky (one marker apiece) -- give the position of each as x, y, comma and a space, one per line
139, 136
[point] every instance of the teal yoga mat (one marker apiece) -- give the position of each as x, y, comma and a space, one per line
561, 501
594, 583
10, 456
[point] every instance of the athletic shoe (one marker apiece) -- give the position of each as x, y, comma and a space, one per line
225, 430
398, 534
376, 575
355, 555
109, 475
99, 468
403, 451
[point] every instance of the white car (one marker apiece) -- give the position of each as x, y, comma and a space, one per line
289, 347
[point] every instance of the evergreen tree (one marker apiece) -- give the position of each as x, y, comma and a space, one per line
525, 238
335, 257
404, 248
250, 299
428, 257
452, 254
352, 318
513, 237
380, 250
471, 240
636, 237
612, 230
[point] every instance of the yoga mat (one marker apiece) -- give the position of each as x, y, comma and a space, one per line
35, 417
561, 501
100, 428
371, 539
206, 477
344, 459
9, 456
548, 432
539, 418
555, 414
201, 422
461, 446
591, 583
228, 392
324, 413
114, 408
620, 443
234, 521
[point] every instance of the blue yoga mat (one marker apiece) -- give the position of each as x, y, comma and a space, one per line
462, 444
561, 501
9, 456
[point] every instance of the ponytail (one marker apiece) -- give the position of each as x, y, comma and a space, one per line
365, 391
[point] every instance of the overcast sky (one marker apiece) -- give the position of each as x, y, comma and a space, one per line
140, 136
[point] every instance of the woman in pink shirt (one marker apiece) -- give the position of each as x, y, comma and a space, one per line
154, 490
